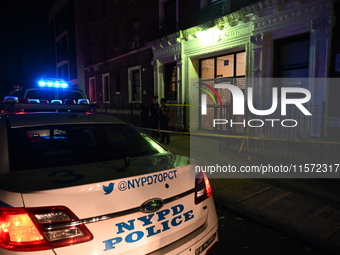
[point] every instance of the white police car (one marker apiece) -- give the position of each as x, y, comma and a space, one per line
80, 183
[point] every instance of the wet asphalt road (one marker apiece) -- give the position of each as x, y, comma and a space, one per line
239, 235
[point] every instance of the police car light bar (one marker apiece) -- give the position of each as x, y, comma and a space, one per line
53, 83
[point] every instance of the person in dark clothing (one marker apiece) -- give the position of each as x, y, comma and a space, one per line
144, 116
154, 117
164, 121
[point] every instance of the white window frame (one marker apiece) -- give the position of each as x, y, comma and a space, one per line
106, 93
91, 79
59, 38
130, 83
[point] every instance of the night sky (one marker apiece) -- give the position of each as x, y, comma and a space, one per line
24, 50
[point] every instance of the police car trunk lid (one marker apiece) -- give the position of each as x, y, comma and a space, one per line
123, 209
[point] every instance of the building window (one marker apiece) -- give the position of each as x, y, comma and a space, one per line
217, 68
291, 60
224, 2
104, 47
62, 48
135, 86
211, 9
103, 9
91, 54
106, 88
116, 38
134, 43
90, 14
230, 68
207, 3
118, 86
168, 14
170, 81
92, 90
59, 20
291, 56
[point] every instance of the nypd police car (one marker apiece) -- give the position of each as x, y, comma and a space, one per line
74, 182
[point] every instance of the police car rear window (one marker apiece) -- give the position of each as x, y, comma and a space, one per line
40, 94
69, 94
33, 148
50, 94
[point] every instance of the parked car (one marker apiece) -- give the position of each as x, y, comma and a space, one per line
82, 183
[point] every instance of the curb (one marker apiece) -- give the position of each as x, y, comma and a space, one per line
313, 241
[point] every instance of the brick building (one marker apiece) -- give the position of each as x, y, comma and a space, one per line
128, 51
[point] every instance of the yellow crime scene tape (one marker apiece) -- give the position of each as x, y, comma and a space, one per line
239, 136
181, 105
244, 137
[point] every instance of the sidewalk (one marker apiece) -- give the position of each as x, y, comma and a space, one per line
305, 211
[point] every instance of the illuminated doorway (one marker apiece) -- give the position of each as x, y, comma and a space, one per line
226, 69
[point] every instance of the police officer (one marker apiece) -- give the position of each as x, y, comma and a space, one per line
164, 121
154, 117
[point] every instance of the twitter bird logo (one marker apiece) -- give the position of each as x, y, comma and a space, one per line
108, 189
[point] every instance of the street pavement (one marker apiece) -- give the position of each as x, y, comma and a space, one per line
306, 209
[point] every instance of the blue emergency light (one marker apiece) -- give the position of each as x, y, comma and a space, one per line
53, 83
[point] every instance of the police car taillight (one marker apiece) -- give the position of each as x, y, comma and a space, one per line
70, 101
33, 229
202, 187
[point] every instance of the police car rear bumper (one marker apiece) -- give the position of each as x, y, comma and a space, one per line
197, 242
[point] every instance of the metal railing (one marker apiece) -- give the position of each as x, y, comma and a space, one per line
297, 138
